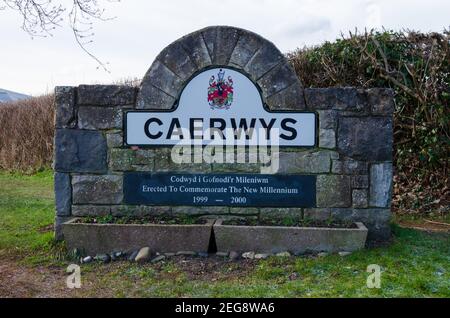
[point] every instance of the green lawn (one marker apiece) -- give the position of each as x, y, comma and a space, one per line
416, 264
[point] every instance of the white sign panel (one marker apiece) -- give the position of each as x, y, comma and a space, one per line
218, 105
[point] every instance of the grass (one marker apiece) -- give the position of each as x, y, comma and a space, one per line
416, 264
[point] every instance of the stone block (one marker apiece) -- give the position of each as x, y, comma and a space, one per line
63, 194
154, 98
360, 198
290, 98
266, 58
381, 185
160, 76
367, 139
327, 139
200, 210
90, 210
106, 95
114, 140
246, 47
349, 166
381, 101
97, 118
333, 191
347, 99
196, 48
278, 79
280, 213
80, 151
105, 189
225, 42
139, 211
244, 211
306, 162
121, 159
360, 182
328, 119
65, 107
177, 60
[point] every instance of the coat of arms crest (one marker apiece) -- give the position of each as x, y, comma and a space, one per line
220, 91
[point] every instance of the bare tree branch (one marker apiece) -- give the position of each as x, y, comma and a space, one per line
42, 17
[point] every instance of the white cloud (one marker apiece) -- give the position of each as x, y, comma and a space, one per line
143, 28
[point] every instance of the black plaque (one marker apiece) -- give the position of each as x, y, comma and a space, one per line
250, 190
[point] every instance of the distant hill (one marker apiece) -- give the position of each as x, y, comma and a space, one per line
8, 96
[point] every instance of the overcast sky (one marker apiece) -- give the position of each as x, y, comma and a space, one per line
143, 28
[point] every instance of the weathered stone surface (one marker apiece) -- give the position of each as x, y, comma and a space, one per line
154, 98
177, 60
327, 119
349, 166
347, 99
381, 185
97, 118
80, 151
306, 162
290, 98
376, 220
121, 159
114, 140
266, 58
65, 107
278, 79
106, 95
63, 194
381, 101
160, 76
247, 45
333, 191
327, 139
226, 39
196, 48
360, 182
368, 139
90, 210
105, 189
360, 198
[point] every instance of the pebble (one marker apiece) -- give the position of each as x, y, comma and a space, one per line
186, 253
133, 256
322, 254
203, 255
105, 258
87, 259
222, 254
143, 255
158, 259
283, 254
261, 256
249, 255
118, 254
234, 255
344, 253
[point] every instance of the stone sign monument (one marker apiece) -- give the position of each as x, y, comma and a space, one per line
221, 125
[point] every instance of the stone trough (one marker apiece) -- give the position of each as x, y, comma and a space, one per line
105, 238
297, 240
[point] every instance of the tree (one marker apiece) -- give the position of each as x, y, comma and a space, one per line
42, 17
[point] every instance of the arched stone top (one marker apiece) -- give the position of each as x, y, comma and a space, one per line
221, 46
